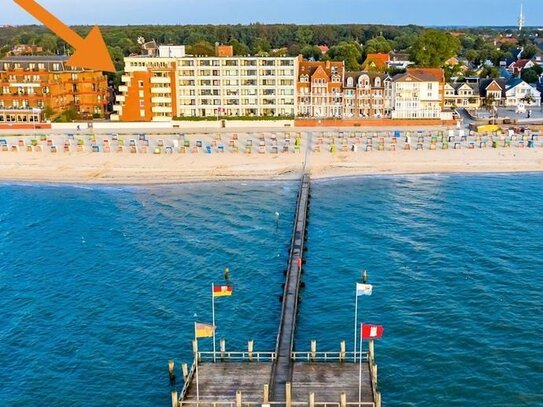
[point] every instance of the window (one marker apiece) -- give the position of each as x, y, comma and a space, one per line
140, 84
350, 82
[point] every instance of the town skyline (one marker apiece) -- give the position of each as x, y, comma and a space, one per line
482, 13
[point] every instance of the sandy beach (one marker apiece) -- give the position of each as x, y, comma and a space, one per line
145, 165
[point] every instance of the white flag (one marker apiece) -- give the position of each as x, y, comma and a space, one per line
363, 289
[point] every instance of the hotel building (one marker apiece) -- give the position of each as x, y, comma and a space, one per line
162, 88
30, 84
418, 94
320, 88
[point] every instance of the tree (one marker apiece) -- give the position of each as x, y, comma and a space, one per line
304, 35
312, 52
240, 48
529, 75
529, 51
261, 46
201, 48
378, 45
350, 52
433, 48
489, 72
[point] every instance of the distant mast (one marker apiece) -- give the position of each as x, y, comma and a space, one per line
521, 18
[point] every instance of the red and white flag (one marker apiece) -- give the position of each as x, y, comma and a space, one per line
372, 331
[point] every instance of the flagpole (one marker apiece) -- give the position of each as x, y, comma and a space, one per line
213, 312
360, 368
196, 361
355, 319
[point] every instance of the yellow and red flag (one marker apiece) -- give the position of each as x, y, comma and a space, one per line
203, 330
222, 290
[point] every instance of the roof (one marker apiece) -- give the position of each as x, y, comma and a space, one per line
311, 67
378, 61
422, 75
357, 74
36, 58
485, 83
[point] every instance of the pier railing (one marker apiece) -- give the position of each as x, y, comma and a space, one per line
236, 356
329, 356
205, 403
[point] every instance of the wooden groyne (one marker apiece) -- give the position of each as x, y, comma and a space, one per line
283, 366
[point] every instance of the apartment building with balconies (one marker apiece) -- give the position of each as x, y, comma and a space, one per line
159, 89
30, 85
419, 94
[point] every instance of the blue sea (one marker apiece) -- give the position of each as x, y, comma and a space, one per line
100, 286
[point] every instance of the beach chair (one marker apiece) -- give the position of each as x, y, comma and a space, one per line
262, 150
220, 149
38, 149
182, 150
157, 151
29, 149
133, 150
457, 146
369, 147
169, 150
53, 149
248, 149
392, 147
186, 144
21, 143
120, 149
95, 149
199, 143
275, 150
208, 149
144, 149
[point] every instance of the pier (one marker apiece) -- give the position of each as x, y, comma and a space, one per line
284, 377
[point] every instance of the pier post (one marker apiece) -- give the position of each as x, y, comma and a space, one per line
373, 373
313, 350
171, 371
250, 347
311, 399
266, 395
238, 398
195, 350
185, 369
222, 346
343, 400
175, 400
371, 351
288, 394
342, 351
377, 399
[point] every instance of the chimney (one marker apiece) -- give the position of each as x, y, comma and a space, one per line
327, 64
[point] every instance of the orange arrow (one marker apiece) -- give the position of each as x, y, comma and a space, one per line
90, 52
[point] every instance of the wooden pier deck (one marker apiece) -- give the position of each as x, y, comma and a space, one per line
282, 366
284, 377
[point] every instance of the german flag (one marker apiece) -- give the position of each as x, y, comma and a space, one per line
203, 330
222, 290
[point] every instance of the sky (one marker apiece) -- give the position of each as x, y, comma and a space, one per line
393, 12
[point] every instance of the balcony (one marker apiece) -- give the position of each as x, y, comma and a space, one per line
161, 109
161, 99
123, 88
161, 80
120, 98
161, 90
125, 78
